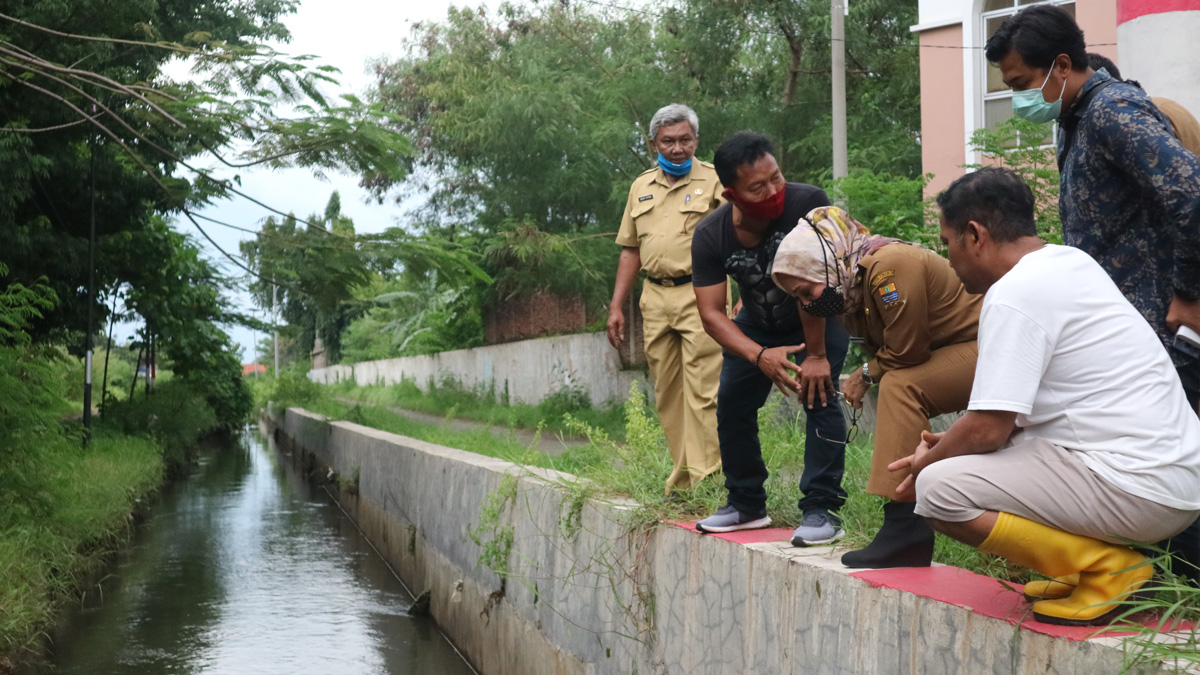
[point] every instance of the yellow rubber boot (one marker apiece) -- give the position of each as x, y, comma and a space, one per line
1108, 573
1051, 589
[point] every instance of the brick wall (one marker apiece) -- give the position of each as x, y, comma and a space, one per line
524, 317
529, 316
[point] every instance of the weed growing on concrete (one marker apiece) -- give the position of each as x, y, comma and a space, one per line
350, 485
493, 535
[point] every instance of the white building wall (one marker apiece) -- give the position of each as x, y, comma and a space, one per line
1146, 54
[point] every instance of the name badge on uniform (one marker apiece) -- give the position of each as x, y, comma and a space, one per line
645, 197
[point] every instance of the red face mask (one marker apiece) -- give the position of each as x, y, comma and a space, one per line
768, 209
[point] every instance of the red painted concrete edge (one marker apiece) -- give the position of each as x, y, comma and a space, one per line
993, 598
974, 592
1128, 10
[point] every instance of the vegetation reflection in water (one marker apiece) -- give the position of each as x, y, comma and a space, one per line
246, 568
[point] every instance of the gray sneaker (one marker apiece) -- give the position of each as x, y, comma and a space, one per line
729, 519
817, 528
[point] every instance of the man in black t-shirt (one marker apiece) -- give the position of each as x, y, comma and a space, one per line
739, 239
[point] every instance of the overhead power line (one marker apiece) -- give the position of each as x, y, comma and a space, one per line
749, 29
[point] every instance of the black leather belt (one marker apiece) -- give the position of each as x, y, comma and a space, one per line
677, 281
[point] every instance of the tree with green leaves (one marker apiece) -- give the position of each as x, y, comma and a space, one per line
311, 272
529, 124
540, 112
1023, 147
96, 132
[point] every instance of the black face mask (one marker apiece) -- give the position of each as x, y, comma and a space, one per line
831, 303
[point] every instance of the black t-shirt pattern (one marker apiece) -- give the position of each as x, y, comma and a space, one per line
716, 253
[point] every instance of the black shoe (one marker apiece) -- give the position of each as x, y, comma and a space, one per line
905, 540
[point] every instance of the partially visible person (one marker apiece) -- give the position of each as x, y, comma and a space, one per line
1078, 438
905, 306
1128, 190
739, 239
1183, 124
664, 207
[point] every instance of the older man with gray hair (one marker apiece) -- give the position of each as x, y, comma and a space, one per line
665, 205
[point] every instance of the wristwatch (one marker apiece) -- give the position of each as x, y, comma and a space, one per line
866, 374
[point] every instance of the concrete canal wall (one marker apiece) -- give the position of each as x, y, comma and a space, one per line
588, 593
528, 371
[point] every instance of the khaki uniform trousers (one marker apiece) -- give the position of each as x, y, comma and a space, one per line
686, 365
908, 397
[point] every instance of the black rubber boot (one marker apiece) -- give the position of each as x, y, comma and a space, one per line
905, 540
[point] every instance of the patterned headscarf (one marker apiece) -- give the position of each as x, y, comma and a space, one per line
826, 247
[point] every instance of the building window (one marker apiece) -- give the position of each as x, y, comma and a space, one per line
997, 98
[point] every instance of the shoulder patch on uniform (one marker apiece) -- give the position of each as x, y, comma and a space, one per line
889, 295
645, 197
878, 278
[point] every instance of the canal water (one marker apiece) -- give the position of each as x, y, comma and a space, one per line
246, 567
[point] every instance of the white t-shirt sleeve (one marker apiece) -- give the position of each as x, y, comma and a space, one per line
1014, 351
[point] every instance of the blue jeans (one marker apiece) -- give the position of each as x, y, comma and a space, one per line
744, 389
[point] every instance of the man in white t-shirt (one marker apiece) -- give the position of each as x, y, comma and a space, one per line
1078, 436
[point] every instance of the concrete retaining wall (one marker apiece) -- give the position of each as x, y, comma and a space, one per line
528, 371
588, 593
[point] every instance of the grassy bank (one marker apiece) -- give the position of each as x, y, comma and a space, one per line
81, 515
65, 508
449, 399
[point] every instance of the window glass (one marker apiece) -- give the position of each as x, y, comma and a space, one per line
996, 111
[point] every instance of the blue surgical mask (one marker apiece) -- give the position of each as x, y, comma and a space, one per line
1031, 105
672, 168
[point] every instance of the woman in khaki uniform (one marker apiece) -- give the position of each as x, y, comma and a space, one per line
906, 307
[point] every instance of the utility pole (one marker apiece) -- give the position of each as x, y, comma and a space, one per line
91, 301
275, 320
837, 41
112, 320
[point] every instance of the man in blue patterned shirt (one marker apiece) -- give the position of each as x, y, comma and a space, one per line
1128, 188
1129, 191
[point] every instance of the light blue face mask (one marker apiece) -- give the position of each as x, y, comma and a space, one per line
1031, 105
681, 169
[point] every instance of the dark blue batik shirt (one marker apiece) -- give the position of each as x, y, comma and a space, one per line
1130, 198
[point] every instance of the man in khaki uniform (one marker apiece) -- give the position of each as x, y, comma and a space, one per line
908, 310
665, 205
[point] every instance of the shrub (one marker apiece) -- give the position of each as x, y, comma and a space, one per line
174, 413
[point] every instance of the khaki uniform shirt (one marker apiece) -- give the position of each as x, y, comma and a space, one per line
913, 303
660, 218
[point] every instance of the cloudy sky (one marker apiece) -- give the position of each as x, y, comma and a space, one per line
344, 34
